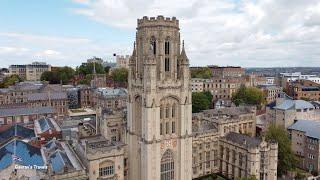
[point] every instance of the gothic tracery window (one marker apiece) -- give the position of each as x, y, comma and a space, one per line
167, 166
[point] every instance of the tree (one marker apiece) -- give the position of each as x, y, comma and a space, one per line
200, 101
248, 96
10, 80
286, 158
120, 75
204, 73
87, 68
59, 75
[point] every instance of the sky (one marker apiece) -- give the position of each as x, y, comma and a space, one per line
248, 33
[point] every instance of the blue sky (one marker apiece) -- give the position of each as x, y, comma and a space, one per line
250, 33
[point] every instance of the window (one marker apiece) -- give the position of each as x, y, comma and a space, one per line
114, 138
161, 130
153, 45
106, 171
167, 112
167, 127
161, 112
166, 64
173, 128
167, 166
167, 47
173, 110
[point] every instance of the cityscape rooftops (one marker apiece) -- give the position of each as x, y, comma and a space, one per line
47, 96
232, 111
25, 111
45, 124
242, 139
311, 128
111, 92
294, 104
16, 131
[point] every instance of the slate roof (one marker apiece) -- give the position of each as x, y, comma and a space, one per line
29, 154
17, 130
25, 111
45, 124
311, 128
45, 96
294, 104
242, 139
59, 160
111, 92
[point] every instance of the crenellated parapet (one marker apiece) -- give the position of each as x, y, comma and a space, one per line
158, 21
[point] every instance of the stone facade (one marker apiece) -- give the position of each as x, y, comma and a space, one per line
243, 156
159, 107
122, 61
285, 110
30, 72
305, 137
271, 92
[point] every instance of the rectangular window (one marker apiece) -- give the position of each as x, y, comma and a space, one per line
173, 128
166, 64
167, 47
106, 171
161, 129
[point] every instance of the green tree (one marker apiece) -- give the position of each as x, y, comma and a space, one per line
286, 158
87, 68
120, 75
200, 101
204, 73
10, 80
58, 75
66, 74
248, 96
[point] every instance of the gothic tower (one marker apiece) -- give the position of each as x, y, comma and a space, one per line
159, 103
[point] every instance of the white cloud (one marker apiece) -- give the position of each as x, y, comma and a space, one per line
248, 33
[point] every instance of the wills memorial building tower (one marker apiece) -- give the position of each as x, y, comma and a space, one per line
159, 104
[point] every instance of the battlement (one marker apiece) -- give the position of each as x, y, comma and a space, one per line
158, 21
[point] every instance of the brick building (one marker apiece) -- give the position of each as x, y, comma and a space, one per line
304, 89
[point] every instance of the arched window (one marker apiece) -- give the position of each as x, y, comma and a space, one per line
153, 44
173, 113
167, 166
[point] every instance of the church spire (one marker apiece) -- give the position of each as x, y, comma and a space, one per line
183, 56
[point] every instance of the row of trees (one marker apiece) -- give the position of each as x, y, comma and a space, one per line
66, 74
204, 73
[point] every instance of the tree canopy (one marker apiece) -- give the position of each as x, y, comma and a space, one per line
248, 96
247, 178
87, 68
58, 75
204, 73
286, 158
201, 101
120, 75
10, 80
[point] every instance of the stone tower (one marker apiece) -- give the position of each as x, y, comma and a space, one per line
159, 104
